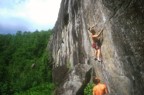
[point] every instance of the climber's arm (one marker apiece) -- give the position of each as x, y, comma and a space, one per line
100, 32
106, 90
95, 36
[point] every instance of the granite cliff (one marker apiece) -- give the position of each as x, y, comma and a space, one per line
122, 68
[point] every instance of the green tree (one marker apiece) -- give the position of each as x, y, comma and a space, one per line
25, 63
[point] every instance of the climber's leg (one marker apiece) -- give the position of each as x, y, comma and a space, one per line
98, 54
95, 54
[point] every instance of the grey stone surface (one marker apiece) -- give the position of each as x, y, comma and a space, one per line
122, 68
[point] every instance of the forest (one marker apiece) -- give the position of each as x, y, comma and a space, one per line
26, 64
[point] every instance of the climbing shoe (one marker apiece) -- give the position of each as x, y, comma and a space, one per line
99, 60
95, 59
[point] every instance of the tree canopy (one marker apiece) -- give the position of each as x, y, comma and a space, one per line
25, 63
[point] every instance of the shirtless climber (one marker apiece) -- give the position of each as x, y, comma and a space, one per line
96, 43
99, 88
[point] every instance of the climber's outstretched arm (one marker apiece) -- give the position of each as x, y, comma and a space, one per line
100, 32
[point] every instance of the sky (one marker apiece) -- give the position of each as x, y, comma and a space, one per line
27, 15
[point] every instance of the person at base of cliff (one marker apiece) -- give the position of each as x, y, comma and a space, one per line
96, 43
99, 88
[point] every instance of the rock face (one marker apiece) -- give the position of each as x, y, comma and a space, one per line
122, 68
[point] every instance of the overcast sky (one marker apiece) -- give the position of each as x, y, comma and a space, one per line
28, 15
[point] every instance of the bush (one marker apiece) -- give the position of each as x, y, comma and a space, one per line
88, 89
43, 89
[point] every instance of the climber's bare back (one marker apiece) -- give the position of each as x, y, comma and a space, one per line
100, 89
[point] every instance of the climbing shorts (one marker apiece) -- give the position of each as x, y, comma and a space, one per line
95, 46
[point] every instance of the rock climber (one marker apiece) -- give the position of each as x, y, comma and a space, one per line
96, 43
99, 88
